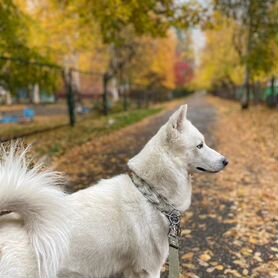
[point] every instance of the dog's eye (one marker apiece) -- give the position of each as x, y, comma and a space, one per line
200, 146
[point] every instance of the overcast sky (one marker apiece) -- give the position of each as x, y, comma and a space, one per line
198, 36
199, 41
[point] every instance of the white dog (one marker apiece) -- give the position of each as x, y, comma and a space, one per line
115, 226
116, 229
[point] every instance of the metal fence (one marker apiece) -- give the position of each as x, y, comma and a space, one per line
49, 96
266, 93
49, 89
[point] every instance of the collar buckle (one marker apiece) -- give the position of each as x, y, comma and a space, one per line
174, 218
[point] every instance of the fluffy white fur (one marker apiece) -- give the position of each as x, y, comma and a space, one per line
34, 238
114, 229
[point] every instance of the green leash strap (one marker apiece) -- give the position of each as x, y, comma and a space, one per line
174, 263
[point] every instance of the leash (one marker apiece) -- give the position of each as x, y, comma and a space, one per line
174, 262
173, 238
172, 214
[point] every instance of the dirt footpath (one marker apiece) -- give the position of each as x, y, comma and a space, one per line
231, 228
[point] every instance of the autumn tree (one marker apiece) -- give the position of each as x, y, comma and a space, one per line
60, 36
144, 62
153, 63
141, 18
185, 59
103, 36
220, 63
15, 50
147, 17
258, 25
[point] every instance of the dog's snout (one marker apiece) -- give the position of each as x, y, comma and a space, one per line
225, 162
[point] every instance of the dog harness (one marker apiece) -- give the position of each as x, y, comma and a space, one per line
170, 212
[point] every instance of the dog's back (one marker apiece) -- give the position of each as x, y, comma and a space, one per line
110, 230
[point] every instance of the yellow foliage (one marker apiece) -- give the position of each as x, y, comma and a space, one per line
56, 33
219, 60
223, 60
155, 61
164, 60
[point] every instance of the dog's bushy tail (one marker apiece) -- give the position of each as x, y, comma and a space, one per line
33, 194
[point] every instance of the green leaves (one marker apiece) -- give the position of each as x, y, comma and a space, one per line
115, 15
16, 74
145, 17
258, 19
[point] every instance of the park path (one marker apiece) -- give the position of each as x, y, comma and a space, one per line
209, 247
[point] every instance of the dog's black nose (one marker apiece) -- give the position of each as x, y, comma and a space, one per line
225, 162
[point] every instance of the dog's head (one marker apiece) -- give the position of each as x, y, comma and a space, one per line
187, 144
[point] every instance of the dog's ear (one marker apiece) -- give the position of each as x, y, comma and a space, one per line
178, 118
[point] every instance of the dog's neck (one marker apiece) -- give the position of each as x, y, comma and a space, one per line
161, 170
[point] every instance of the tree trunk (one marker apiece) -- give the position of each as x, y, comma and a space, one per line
105, 93
9, 98
126, 93
125, 102
36, 94
6, 95
273, 96
246, 93
70, 96
113, 89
